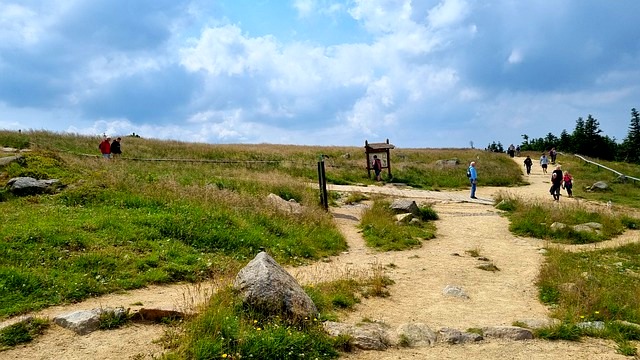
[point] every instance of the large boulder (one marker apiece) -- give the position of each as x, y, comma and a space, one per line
31, 186
265, 286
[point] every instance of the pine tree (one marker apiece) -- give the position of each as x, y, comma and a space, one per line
631, 144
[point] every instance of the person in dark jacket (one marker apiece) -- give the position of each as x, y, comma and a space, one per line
115, 147
527, 164
556, 182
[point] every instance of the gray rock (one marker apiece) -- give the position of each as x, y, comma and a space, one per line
593, 225
365, 336
507, 332
584, 228
83, 322
451, 290
8, 159
448, 163
416, 335
266, 286
453, 336
281, 204
401, 206
599, 186
31, 186
558, 226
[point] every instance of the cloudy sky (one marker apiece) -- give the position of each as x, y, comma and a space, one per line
422, 73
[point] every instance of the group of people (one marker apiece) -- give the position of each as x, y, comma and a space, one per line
513, 150
559, 179
110, 149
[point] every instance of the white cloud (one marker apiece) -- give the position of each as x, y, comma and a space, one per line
224, 50
448, 13
382, 16
304, 7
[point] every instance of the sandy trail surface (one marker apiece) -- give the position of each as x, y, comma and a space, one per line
495, 298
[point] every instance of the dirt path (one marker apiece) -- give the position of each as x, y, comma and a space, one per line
495, 298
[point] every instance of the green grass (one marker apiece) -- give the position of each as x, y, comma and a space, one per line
601, 285
110, 319
228, 329
381, 231
415, 167
534, 219
597, 278
586, 174
22, 332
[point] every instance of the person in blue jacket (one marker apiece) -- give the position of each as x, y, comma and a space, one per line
473, 178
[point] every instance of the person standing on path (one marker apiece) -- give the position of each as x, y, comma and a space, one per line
567, 183
544, 162
105, 148
553, 153
377, 167
116, 151
527, 164
556, 182
473, 178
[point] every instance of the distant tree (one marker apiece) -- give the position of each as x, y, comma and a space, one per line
579, 138
630, 148
565, 142
550, 141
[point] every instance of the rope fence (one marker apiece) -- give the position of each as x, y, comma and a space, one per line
607, 168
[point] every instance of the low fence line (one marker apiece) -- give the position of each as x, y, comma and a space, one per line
604, 167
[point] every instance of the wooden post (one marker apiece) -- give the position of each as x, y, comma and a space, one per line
322, 184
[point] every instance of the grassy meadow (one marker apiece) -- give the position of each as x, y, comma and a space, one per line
171, 211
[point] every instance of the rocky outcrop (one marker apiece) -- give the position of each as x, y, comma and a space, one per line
264, 285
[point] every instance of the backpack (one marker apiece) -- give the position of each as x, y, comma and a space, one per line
468, 173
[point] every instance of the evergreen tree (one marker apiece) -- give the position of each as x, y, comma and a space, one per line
578, 136
630, 148
565, 142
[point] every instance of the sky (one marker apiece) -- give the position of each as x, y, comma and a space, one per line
423, 74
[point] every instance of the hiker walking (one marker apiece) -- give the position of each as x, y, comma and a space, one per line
105, 148
527, 164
